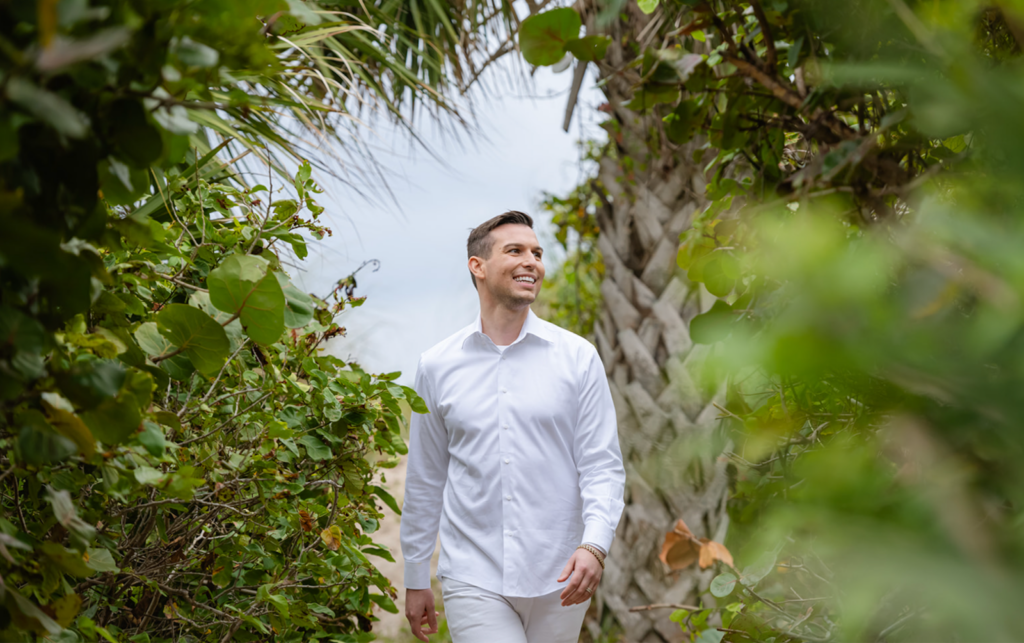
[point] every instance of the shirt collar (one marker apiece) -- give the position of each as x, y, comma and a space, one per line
533, 325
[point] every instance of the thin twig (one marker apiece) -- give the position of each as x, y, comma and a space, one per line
659, 606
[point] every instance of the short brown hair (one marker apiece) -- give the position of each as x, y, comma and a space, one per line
479, 243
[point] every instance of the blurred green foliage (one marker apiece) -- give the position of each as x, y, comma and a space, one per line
178, 459
571, 293
862, 239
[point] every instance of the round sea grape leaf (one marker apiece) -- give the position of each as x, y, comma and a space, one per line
589, 48
723, 584
543, 37
720, 274
714, 325
115, 419
242, 284
299, 307
200, 337
150, 340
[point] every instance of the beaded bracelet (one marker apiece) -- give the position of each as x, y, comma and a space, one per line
596, 552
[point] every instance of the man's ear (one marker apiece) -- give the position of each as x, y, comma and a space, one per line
476, 267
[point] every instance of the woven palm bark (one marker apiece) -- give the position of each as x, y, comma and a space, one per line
666, 416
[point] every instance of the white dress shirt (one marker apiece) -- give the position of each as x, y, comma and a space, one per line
517, 463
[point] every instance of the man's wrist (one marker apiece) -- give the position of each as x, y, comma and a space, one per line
597, 553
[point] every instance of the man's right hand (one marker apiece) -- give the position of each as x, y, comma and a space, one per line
419, 609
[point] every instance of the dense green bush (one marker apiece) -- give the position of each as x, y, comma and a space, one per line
180, 461
861, 241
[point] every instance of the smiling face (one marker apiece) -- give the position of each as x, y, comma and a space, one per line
513, 273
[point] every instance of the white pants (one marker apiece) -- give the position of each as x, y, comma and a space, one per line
476, 615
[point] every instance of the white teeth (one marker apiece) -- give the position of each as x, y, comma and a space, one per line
525, 280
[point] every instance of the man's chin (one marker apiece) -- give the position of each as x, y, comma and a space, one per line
518, 300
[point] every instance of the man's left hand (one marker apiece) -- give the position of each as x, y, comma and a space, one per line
586, 574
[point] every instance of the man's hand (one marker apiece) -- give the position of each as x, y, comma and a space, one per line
419, 609
586, 574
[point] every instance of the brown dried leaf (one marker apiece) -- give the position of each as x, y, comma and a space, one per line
710, 551
305, 520
678, 550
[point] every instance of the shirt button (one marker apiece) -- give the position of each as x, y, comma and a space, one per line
504, 390
506, 460
505, 427
508, 497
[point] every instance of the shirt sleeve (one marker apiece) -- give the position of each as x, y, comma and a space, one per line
426, 475
598, 457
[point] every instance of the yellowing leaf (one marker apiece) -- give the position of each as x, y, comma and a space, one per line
331, 537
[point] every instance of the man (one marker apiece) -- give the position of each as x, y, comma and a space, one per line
517, 463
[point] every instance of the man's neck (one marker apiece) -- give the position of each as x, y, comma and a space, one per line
501, 324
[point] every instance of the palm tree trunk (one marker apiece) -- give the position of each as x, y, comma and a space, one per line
667, 420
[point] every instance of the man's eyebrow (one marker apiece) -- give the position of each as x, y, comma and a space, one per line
516, 244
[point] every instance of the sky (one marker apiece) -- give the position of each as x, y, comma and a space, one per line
421, 292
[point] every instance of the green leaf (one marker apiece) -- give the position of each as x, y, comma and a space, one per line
388, 499
137, 140
202, 338
195, 54
148, 475
648, 6
152, 437
27, 615
678, 616
69, 561
653, 94
300, 308
415, 401
72, 427
101, 560
315, 449
8, 141
48, 107
113, 421
384, 602
714, 325
710, 635
589, 48
64, 510
719, 273
168, 419
723, 584
682, 122
38, 443
150, 340
543, 37
242, 284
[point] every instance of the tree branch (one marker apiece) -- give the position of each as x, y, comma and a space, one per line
766, 33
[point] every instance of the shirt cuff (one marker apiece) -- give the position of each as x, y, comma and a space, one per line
599, 535
417, 575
